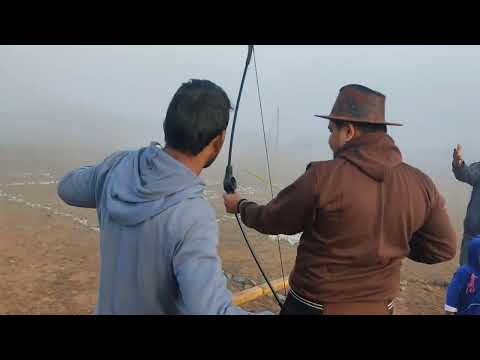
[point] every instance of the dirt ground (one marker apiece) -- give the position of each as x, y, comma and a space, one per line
50, 264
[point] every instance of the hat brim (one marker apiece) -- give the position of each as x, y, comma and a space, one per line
350, 119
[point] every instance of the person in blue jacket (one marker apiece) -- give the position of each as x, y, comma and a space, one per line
158, 234
463, 294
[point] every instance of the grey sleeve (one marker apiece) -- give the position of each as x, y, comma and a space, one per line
197, 268
469, 174
77, 188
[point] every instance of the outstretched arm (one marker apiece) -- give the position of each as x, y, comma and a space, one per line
286, 214
77, 188
469, 174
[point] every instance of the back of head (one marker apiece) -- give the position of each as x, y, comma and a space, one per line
199, 112
362, 128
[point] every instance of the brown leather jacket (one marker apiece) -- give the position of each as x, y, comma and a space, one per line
360, 214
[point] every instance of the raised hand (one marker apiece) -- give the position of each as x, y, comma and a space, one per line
457, 156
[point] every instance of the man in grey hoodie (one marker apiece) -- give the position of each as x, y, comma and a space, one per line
158, 235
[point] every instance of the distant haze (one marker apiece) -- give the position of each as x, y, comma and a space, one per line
112, 97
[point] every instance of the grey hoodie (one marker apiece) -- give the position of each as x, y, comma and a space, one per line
158, 235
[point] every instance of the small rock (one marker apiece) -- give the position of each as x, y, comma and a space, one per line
428, 288
240, 279
403, 283
253, 282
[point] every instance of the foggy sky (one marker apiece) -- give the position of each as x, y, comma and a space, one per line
117, 96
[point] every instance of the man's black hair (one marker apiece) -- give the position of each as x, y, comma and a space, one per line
199, 111
364, 128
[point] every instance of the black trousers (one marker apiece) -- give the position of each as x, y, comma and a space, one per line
294, 307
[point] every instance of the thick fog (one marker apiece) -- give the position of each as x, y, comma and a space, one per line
110, 97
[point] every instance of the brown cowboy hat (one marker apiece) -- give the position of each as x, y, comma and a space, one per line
357, 103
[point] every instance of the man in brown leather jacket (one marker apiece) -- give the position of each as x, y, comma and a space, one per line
360, 213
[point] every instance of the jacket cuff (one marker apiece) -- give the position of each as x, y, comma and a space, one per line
240, 203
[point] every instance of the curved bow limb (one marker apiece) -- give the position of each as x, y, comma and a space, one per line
229, 181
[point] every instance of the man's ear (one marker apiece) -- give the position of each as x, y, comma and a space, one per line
218, 141
351, 131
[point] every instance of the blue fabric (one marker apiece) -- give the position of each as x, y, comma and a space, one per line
463, 293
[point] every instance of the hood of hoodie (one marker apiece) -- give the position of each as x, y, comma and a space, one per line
375, 154
474, 254
146, 182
